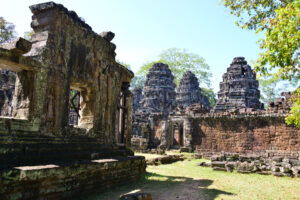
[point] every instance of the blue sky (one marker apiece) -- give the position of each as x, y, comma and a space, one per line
144, 28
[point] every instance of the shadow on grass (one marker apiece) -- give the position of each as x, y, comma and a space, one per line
162, 187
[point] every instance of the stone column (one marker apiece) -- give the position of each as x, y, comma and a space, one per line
87, 99
187, 133
23, 96
128, 120
164, 135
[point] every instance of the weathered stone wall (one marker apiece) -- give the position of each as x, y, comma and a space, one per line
244, 134
65, 181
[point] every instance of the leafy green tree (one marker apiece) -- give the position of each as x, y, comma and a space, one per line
271, 88
210, 95
7, 31
180, 61
137, 81
280, 22
268, 89
28, 35
294, 118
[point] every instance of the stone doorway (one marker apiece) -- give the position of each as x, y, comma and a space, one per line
181, 143
74, 107
178, 136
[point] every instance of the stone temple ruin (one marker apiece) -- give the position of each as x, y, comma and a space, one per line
238, 125
159, 101
37, 142
159, 91
68, 116
239, 88
189, 92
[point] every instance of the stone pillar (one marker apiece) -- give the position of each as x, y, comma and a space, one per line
187, 133
151, 131
128, 119
124, 106
164, 134
23, 95
87, 99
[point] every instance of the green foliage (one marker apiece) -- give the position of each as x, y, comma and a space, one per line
280, 22
7, 31
211, 96
124, 64
294, 118
137, 81
281, 44
28, 35
271, 88
268, 89
180, 61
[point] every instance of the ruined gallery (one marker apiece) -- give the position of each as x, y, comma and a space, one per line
71, 123
62, 160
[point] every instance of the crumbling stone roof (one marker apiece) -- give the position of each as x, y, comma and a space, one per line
38, 8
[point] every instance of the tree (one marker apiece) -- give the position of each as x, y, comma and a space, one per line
279, 21
294, 118
7, 31
271, 88
180, 61
28, 35
210, 95
137, 82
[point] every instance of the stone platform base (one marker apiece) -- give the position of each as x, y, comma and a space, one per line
67, 180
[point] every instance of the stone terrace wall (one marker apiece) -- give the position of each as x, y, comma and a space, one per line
64, 182
245, 134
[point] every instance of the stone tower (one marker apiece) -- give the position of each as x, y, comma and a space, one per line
239, 88
189, 92
137, 96
159, 90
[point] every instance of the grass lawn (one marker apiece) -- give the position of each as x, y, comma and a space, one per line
187, 181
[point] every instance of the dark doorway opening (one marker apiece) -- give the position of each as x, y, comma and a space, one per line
74, 108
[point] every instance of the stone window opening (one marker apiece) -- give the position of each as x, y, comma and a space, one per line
7, 89
18, 104
74, 108
178, 139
